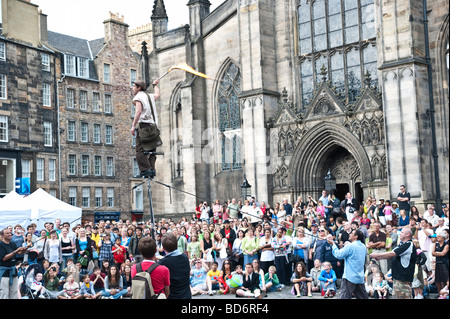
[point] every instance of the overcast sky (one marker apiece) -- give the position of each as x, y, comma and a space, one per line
84, 18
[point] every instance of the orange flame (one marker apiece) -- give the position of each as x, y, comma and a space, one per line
187, 68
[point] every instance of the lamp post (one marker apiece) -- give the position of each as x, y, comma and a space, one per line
330, 181
246, 189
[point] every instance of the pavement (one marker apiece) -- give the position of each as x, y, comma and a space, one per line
284, 294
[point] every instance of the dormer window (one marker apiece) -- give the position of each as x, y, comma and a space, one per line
76, 66
69, 65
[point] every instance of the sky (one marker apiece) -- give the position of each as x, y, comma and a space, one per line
84, 18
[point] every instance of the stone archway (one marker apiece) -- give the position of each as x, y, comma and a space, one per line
328, 146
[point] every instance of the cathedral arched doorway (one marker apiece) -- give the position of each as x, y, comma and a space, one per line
330, 146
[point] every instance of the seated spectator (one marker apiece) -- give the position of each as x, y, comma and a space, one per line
271, 280
250, 284
87, 289
380, 286
71, 289
113, 284
200, 281
327, 280
301, 280
315, 273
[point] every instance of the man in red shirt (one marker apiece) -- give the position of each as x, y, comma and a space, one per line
119, 252
160, 275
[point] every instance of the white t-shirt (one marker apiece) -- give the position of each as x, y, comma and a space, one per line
266, 255
146, 115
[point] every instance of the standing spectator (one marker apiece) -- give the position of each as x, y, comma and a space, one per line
160, 275
217, 211
67, 246
280, 246
250, 246
119, 252
431, 216
325, 200
350, 207
228, 233
204, 216
133, 250
193, 250
403, 199
440, 251
18, 238
403, 220
9, 281
206, 246
354, 256
424, 235
403, 264
53, 249
233, 209
83, 246
179, 268
105, 249
237, 254
220, 249
300, 245
267, 251
287, 207
377, 243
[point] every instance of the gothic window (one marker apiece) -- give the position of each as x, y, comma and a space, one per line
177, 135
339, 35
230, 118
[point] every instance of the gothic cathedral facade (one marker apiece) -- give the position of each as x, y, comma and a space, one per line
302, 87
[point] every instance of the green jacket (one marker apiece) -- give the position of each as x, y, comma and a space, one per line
275, 280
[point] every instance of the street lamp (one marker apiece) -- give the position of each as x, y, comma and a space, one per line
246, 189
330, 181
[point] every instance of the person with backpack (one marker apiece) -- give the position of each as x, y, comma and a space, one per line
159, 274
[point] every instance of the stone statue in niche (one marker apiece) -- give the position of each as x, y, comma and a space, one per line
290, 143
284, 179
375, 134
365, 134
376, 169
282, 149
357, 131
380, 130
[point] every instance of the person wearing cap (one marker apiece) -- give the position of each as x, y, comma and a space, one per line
144, 116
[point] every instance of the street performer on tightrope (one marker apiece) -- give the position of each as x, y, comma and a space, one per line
145, 116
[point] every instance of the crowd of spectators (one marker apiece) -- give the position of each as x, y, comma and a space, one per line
249, 249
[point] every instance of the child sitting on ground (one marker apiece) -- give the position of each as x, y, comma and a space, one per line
237, 277
271, 280
380, 286
87, 288
327, 280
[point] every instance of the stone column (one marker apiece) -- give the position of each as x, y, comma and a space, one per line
405, 94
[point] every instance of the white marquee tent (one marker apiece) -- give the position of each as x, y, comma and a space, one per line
39, 207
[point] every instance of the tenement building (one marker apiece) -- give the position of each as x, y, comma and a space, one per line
356, 87
97, 149
297, 89
28, 102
